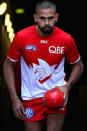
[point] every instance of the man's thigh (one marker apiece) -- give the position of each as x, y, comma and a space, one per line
55, 122
34, 126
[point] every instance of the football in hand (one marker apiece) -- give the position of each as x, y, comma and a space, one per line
54, 98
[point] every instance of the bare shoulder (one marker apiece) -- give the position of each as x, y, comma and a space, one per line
9, 61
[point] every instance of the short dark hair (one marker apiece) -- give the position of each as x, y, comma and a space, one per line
45, 4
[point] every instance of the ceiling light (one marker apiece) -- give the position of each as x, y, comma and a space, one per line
7, 19
3, 8
19, 11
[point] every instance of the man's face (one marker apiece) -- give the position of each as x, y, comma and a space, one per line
46, 19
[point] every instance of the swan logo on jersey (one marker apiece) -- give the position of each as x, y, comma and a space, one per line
31, 47
56, 50
29, 113
43, 71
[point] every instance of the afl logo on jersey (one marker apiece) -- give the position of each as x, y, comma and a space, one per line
31, 47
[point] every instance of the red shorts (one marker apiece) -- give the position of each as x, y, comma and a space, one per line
36, 110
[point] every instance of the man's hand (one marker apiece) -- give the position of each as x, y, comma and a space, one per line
65, 90
10, 80
18, 109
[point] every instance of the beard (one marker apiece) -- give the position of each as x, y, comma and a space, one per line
46, 30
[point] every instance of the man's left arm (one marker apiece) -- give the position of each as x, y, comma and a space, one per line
73, 57
77, 70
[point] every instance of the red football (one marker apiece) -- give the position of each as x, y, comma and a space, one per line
54, 98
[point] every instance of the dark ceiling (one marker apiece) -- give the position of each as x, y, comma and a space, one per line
21, 21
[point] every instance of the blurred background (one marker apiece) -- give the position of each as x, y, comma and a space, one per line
18, 14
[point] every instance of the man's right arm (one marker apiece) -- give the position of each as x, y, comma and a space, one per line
9, 77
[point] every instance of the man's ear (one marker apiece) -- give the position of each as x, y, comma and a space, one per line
57, 16
35, 18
